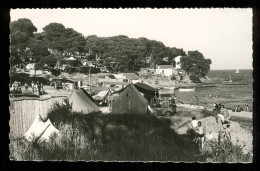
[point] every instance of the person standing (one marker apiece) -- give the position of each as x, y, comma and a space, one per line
219, 108
19, 89
246, 107
236, 109
32, 84
38, 88
57, 86
228, 132
193, 126
225, 114
200, 135
215, 108
26, 87
206, 106
194, 123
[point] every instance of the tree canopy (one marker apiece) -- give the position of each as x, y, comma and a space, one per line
118, 53
130, 53
21, 32
63, 40
195, 63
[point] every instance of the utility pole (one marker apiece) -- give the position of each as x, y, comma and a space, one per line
89, 76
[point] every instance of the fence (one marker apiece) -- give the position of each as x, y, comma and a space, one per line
24, 110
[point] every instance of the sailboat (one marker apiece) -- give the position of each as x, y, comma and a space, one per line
237, 71
230, 82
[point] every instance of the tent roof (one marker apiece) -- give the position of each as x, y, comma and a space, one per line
82, 102
130, 101
40, 130
89, 96
145, 86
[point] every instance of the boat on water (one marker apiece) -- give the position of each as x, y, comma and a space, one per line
230, 82
186, 89
235, 83
237, 71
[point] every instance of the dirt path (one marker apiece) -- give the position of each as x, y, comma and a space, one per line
242, 114
239, 135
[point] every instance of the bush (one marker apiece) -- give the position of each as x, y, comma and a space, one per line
85, 70
110, 137
55, 71
70, 69
225, 152
25, 78
194, 78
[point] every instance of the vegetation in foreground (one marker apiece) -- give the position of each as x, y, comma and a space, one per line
119, 138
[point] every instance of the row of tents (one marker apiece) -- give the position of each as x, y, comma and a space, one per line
133, 99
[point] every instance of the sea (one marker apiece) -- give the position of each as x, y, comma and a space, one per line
228, 95
244, 75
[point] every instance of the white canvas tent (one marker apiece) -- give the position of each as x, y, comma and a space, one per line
40, 130
71, 59
30, 66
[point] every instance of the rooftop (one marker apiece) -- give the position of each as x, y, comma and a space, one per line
164, 67
132, 76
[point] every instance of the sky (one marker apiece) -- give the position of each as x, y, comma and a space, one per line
223, 35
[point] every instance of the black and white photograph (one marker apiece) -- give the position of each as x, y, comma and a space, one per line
131, 85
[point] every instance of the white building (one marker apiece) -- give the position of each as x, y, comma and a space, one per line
177, 62
165, 70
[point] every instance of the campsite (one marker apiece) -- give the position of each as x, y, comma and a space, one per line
76, 117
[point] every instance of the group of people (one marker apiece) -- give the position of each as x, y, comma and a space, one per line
65, 86
37, 88
238, 108
198, 131
16, 87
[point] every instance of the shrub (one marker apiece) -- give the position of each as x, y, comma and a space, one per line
225, 151
110, 137
60, 112
126, 137
70, 69
194, 78
55, 71
25, 78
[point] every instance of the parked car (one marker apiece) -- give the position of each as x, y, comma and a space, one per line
101, 97
165, 104
87, 88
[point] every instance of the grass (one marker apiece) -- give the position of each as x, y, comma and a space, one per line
110, 137
225, 152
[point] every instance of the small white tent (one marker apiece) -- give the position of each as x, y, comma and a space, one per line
71, 59
40, 130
